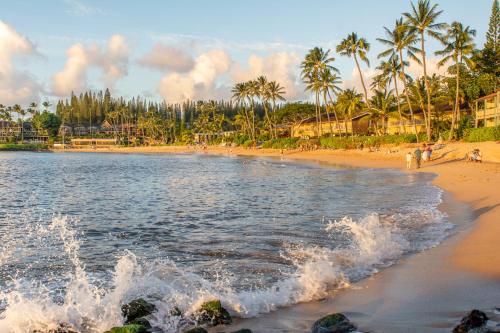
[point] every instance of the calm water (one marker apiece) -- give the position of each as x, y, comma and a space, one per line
82, 233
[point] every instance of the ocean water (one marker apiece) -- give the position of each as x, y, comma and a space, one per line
81, 234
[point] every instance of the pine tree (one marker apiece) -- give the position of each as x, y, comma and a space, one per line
490, 55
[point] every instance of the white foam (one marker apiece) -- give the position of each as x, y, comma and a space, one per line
372, 243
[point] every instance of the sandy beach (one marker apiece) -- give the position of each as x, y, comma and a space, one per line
427, 292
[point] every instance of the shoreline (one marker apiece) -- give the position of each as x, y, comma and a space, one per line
461, 273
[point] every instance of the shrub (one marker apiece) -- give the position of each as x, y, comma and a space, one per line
482, 134
281, 143
248, 143
23, 146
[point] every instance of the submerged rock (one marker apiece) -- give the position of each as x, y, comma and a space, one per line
474, 321
243, 330
61, 328
196, 330
136, 309
213, 313
334, 323
131, 328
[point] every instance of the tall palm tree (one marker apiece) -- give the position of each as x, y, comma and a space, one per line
330, 85
422, 21
392, 70
350, 102
252, 88
46, 105
20, 114
398, 40
264, 96
382, 103
240, 94
353, 46
316, 61
459, 47
275, 93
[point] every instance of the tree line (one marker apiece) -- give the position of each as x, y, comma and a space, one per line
257, 110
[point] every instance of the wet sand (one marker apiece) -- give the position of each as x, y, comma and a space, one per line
426, 292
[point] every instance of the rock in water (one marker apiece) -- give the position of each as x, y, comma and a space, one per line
244, 330
475, 319
61, 328
334, 323
196, 330
136, 309
132, 328
212, 312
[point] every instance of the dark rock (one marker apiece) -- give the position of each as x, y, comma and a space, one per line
61, 328
475, 319
136, 309
141, 321
213, 313
176, 312
196, 330
132, 328
334, 323
244, 330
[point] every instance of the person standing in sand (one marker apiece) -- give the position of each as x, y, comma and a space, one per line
418, 157
409, 157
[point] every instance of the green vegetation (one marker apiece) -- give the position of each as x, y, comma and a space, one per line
23, 146
258, 112
358, 142
482, 134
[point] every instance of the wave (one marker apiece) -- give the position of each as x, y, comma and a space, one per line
91, 304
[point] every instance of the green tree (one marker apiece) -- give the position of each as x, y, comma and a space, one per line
276, 94
47, 121
490, 55
382, 103
353, 46
399, 40
422, 21
349, 102
458, 47
316, 63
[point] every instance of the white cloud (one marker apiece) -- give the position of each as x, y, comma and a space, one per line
355, 80
166, 57
200, 82
416, 70
281, 67
113, 61
78, 8
15, 86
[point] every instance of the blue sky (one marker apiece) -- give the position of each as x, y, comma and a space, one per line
221, 42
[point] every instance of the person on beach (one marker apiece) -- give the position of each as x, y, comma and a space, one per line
409, 157
418, 156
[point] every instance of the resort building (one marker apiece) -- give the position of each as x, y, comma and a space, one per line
487, 110
308, 128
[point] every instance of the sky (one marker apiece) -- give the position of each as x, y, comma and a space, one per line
197, 49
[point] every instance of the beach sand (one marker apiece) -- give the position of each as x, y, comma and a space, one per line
426, 292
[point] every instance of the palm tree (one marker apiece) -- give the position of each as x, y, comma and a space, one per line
399, 39
316, 61
391, 69
240, 94
275, 93
264, 96
313, 84
46, 105
350, 102
252, 88
330, 85
20, 114
353, 46
458, 46
422, 20
382, 103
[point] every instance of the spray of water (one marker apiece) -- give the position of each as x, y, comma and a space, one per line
94, 306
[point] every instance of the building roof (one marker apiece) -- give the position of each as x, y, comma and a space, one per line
487, 96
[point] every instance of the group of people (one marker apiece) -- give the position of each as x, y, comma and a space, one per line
419, 155
475, 156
